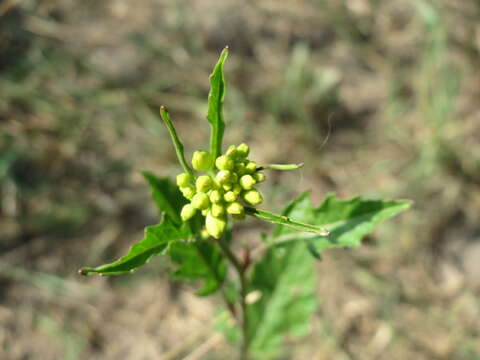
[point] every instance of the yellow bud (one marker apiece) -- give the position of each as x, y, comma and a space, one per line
215, 226
224, 163
183, 179
235, 208
237, 189
217, 210
201, 160
253, 197
230, 196
204, 183
204, 212
240, 168
251, 167
187, 212
231, 152
259, 177
227, 187
204, 234
247, 182
243, 150
188, 191
201, 201
223, 176
215, 196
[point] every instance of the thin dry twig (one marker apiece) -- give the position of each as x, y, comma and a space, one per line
204, 348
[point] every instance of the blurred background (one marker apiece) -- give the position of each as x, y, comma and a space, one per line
378, 98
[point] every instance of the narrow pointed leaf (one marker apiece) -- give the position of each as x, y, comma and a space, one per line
155, 241
199, 260
281, 166
285, 221
215, 105
178, 145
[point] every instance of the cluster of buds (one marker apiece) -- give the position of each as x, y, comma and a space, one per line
223, 191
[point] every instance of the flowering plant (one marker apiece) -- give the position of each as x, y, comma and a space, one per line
273, 293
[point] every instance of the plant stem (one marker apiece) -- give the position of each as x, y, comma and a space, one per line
243, 296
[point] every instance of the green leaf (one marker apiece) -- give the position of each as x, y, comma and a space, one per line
155, 241
176, 141
199, 260
285, 281
347, 220
281, 166
167, 196
285, 221
215, 105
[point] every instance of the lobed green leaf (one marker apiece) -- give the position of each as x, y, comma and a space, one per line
167, 196
285, 282
199, 260
215, 105
348, 221
155, 241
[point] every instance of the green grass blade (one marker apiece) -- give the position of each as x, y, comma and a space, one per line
176, 141
285, 221
215, 105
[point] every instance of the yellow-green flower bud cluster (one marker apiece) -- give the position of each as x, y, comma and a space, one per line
222, 192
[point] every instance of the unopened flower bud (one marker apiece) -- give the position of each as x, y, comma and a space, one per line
224, 163
237, 189
231, 152
183, 179
251, 167
204, 183
204, 212
223, 176
188, 191
240, 168
215, 226
217, 210
259, 177
201, 201
187, 212
230, 196
201, 160
243, 150
204, 234
239, 216
233, 178
227, 186
215, 196
235, 208
253, 197
247, 182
